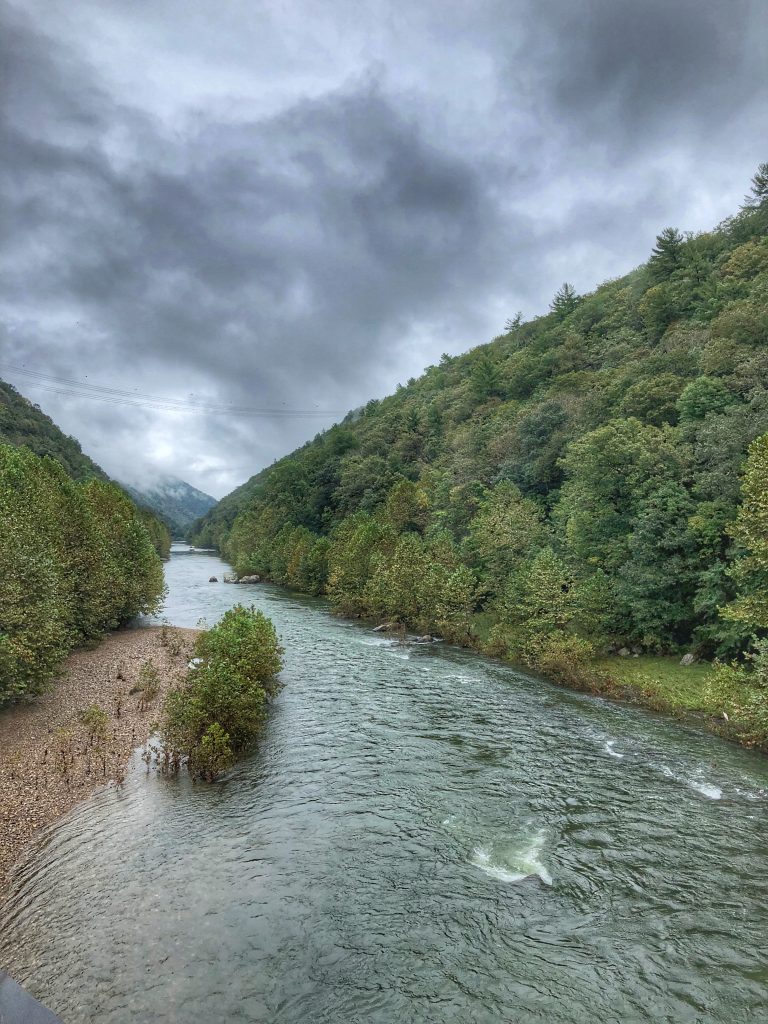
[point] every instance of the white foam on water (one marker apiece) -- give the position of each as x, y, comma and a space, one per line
608, 748
462, 678
707, 789
507, 864
751, 794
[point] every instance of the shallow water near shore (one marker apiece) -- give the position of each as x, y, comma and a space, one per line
423, 836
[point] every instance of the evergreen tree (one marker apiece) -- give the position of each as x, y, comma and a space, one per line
565, 301
759, 188
485, 379
667, 254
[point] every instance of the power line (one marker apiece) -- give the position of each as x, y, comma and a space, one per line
119, 396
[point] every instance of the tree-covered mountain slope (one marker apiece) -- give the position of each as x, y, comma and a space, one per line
176, 502
25, 424
572, 485
76, 559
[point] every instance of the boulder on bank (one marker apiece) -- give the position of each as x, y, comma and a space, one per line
624, 652
385, 627
688, 659
249, 579
230, 577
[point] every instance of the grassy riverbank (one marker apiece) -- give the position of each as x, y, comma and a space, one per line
696, 694
722, 703
78, 736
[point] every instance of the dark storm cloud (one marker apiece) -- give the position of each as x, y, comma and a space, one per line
309, 241
653, 61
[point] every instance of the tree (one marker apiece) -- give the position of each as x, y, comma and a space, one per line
658, 582
750, 531
759, 188
514, 322
667, 254
354, 545
702, 396
565, 301
484, 378
506, 530
538, 603
609, 473
406, 507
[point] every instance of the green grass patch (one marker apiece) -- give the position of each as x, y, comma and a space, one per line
664, 683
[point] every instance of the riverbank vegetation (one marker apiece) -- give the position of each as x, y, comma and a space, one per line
220, 709
76, 560
593, 480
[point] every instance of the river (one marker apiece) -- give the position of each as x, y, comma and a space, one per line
423, 836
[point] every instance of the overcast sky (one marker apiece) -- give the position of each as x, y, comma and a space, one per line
295, 206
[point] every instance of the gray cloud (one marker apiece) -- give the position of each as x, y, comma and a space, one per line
239, 217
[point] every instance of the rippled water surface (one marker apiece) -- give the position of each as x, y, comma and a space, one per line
423, 836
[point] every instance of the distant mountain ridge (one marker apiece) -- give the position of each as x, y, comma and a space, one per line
176, 502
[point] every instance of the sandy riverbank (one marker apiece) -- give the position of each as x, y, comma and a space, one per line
50, 760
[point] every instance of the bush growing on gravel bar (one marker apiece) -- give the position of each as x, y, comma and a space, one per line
219, 710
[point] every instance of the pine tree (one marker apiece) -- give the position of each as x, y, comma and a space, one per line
565, 301
485, 378
759, 188
667, 254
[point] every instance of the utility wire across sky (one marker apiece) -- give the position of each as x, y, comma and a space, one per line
119, 396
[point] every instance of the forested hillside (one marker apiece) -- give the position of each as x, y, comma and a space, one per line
574, 485
76, 559
22, 423
26, 425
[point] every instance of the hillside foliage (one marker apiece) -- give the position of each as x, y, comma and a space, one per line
76, 559
593, 477
26, 425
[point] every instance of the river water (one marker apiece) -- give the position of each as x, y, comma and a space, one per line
423, 836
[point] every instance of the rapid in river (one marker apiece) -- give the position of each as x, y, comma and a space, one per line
423, 835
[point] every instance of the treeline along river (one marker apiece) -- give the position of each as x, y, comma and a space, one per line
422, 836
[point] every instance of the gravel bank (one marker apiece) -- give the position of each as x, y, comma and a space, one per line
50, 760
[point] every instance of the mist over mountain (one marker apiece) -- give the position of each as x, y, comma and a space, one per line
176, 502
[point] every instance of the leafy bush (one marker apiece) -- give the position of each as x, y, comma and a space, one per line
220, 709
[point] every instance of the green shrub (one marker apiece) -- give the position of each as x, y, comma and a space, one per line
220, 709
96, 721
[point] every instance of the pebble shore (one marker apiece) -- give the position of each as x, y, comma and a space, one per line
49, 761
